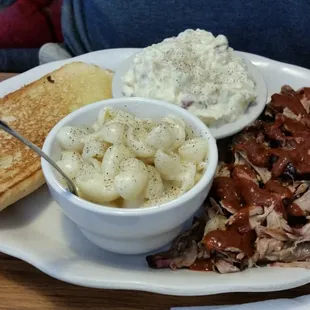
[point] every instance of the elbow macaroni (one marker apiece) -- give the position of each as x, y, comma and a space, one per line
113, 157
129, 162
131, 179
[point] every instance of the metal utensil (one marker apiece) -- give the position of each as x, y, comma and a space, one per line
71, 186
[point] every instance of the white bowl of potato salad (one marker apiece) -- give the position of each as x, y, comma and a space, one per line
201, 73
143, 167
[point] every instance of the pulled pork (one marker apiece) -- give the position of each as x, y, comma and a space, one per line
258, 209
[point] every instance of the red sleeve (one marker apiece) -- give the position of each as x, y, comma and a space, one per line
29, 24
53, 11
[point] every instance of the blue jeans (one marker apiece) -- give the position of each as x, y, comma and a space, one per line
276, 29
18, 59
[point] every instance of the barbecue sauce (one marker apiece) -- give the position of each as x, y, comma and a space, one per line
304, 93
295, 210
291, 125
299, 157
256, 196
279, 102
256, 152
241, 221
224, 189
220, 240
273, 131
202, 265
275, 187
238, 235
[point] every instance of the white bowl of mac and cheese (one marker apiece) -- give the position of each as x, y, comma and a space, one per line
137, 193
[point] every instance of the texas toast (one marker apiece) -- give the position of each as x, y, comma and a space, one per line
33, 110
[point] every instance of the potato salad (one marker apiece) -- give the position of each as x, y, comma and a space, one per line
196, 71
129, 162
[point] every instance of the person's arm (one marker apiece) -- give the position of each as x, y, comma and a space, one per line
29, 23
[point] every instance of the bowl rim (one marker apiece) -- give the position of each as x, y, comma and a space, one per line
207, 177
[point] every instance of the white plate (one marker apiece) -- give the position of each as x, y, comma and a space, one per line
221, 131
35, 230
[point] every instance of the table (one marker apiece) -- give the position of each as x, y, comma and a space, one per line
24, 287
4, 76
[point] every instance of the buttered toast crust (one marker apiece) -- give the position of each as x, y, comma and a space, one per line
33, 111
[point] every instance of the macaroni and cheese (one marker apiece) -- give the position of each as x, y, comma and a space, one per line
129, 162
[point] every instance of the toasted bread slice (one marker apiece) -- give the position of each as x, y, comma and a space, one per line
33, 110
